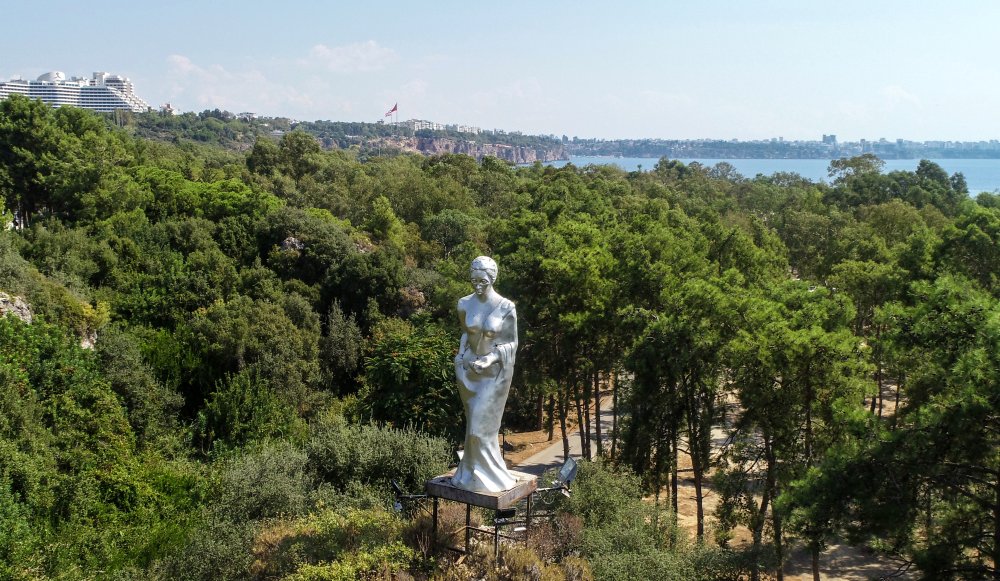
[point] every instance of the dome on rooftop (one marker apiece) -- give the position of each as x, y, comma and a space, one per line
53, 76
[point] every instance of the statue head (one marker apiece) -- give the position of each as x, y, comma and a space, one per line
487, 265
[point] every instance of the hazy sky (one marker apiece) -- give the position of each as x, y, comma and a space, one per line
911, 69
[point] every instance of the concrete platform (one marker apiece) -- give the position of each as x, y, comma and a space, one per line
441, 487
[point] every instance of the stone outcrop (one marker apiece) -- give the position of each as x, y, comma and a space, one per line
88, 339
18, 307
15, 306
292, 244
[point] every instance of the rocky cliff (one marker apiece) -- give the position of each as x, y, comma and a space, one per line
511, 153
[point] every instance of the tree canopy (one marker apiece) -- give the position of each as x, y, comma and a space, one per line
237, 339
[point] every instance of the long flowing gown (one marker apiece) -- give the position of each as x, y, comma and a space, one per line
488, 328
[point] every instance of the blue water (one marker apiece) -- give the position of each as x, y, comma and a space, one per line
982, 175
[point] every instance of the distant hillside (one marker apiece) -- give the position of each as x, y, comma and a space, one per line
236, 133
781, 149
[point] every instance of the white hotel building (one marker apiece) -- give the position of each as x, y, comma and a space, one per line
102, 92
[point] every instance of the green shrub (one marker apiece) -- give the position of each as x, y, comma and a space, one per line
515, 564
19, 541
624, 537
650, 565
340, 454
383, 562
218, 550
332, 544
357, 529
410, 378
243, 409
268, 482
152, 406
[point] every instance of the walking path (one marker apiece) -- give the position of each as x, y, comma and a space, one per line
552, 456
839, 562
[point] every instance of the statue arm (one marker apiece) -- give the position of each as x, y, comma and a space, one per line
506, 341
463, 344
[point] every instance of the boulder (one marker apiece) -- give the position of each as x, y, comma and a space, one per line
292, 244
11, 305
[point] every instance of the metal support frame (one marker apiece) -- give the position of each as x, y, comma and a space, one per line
468, 526
439, 488
498, 523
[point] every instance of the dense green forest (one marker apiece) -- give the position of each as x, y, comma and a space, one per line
231, 354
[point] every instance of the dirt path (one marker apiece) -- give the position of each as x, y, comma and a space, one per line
534, 453
838, 562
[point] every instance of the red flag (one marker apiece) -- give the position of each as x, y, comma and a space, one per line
391, 111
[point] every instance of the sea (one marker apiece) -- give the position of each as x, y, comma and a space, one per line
982, 175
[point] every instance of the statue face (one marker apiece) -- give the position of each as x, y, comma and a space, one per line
480, 282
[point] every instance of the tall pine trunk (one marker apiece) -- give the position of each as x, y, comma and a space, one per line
673, 465
700, 411
587, 425
551, 420
597, 414
614, 413
814, 549
580, 424
779, 547
563, 403
760, 520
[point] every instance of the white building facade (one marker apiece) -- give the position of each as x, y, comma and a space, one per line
102, 92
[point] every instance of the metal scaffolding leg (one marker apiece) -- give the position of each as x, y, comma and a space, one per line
468, 526
434, 533
527, 520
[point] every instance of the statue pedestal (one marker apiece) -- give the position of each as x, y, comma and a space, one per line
440, 487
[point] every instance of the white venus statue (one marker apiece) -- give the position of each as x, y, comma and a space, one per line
484, 367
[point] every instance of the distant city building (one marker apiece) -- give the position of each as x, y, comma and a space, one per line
102, 92
418, 124
462, 128
830, 139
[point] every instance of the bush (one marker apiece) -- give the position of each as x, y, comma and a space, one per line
265, 483
243, 409
558, 537
384, 562
515, 564
152, 406
626, 538
333, 544
652, 565
340, 454
410, 378
19, 542
219, 550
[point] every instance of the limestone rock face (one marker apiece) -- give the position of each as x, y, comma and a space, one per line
88, 340
512, 153
292, 243
15, 306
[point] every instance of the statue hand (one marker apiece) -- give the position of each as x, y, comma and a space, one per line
482, 363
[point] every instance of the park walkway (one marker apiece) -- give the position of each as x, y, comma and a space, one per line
552, 456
